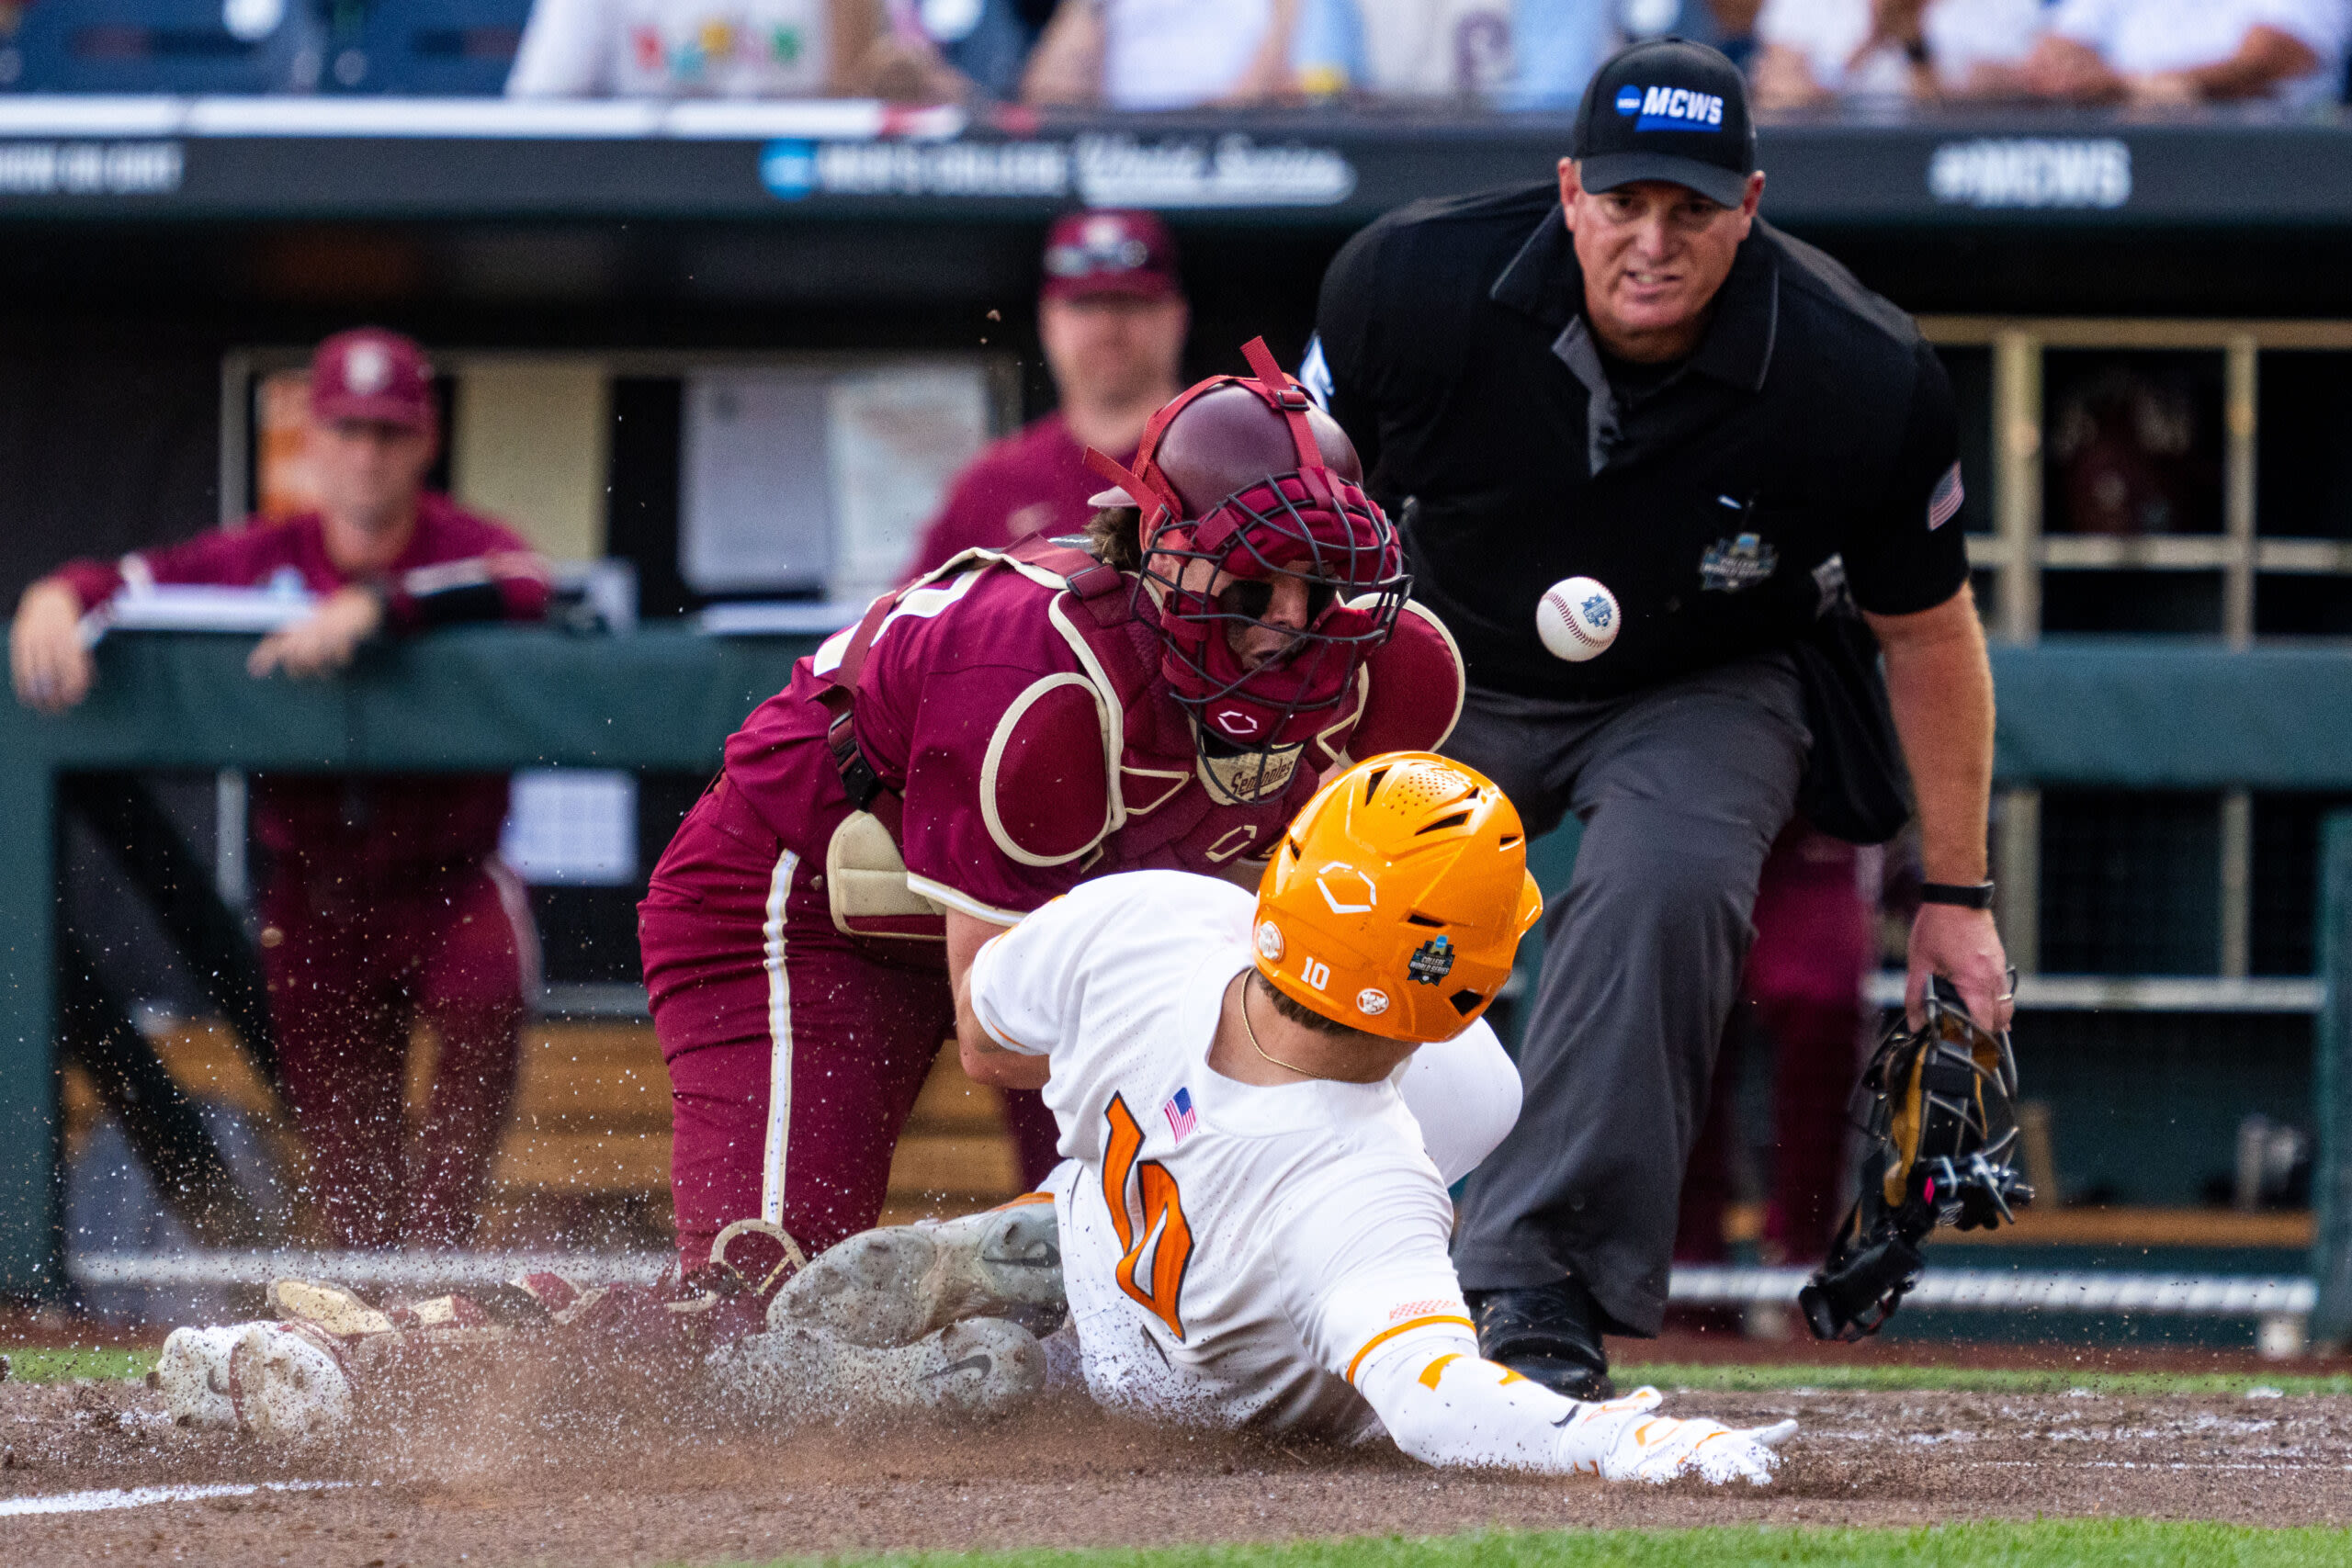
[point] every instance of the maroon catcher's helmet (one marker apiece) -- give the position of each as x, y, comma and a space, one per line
1246, 474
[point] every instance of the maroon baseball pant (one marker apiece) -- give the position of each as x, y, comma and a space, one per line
1802, 995
795, 1051
350, 971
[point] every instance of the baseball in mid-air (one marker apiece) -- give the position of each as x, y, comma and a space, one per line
1578, 619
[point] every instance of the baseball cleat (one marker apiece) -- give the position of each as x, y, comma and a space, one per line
330, 1308
275, 1380
983, 1367
895, 1285
193, 1372
1547, 1333
288, 1381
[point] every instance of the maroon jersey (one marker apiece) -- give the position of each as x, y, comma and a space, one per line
1035, 744
1036, 481
385, 826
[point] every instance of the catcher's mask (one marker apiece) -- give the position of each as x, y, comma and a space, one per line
1938, 1105
1245, 477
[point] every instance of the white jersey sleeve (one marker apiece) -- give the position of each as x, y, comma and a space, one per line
1445, 1405
1378, 1304
1375, 1300
1023, 978
1465, 1094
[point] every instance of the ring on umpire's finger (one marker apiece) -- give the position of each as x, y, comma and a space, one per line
2007, 997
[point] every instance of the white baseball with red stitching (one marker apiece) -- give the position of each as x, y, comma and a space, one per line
1578, 619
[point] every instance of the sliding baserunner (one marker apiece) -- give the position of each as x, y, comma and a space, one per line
1262, 1103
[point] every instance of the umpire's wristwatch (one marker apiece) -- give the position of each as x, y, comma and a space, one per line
1966, 894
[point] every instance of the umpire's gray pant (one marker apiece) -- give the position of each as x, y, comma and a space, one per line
1682, 790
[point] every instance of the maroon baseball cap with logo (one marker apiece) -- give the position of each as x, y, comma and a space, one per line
1106, 251
371, 374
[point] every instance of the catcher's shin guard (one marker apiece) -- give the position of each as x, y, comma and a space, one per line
1938, 1105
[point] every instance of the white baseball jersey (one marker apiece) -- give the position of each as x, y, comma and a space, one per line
1276, 1257
1232, 1253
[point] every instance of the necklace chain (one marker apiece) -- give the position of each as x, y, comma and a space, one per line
1252, 1030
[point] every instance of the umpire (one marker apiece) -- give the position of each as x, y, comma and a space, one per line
1631, 377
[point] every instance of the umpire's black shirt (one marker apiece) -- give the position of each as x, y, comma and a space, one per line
1812, 422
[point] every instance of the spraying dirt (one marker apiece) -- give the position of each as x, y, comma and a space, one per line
516, 1462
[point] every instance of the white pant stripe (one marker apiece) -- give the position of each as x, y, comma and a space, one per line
515, 900
779, 1042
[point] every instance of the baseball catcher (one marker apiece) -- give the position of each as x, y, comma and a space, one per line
1937, 1104
1163, 692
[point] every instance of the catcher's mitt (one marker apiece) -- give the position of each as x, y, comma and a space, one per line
1936, 1105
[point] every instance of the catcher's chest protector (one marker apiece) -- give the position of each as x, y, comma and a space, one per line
1098, 768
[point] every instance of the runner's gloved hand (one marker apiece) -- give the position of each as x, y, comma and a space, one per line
1621, 1440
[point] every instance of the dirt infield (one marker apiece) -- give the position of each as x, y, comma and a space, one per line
514, 1474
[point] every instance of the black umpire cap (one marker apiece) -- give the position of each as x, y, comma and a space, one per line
1666, 109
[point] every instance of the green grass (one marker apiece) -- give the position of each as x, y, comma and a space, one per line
66, 1365
1963, 1380
2041, 1543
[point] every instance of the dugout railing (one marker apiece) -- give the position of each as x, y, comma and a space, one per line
2128, 714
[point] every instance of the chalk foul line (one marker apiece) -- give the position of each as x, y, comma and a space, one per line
142, 1497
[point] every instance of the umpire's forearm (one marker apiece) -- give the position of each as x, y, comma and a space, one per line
1940, 686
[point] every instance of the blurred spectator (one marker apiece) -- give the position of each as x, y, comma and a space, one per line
1113, 318
729, 49
1556, 47
1163, 54
386, 899
2170, 53
1814, 51
987, 41
1405, 49
1801, 997
1558, 44
1735, 22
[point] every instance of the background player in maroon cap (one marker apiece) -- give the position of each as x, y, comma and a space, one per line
981, 742
386, 898
1111, 317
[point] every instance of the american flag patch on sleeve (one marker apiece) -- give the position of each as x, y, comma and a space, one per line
1178, 1112
1943, 504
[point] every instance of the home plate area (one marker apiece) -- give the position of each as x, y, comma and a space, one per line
519, 1466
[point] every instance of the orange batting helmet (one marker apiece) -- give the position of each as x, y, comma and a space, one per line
1397, 897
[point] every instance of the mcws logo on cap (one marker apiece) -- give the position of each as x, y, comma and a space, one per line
1670, 108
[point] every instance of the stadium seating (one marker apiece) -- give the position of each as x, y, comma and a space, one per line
426, 49
415, 48
165, 46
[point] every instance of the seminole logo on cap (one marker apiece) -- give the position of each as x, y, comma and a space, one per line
1670, 108
1103, 245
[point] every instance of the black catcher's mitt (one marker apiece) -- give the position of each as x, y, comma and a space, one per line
1938, 1106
